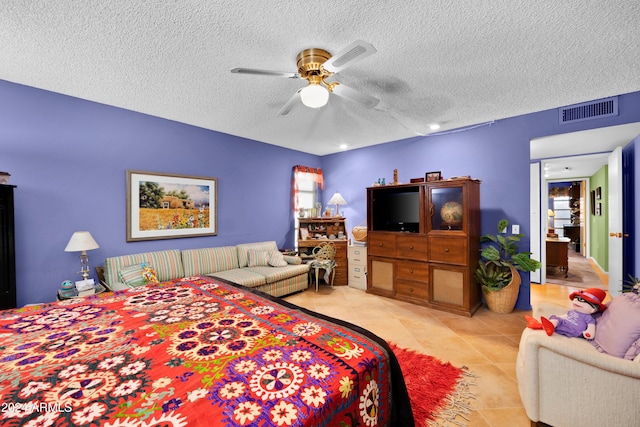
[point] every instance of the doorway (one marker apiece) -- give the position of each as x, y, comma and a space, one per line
565, 151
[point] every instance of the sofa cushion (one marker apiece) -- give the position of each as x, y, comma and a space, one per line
244, 248
242, 276
275, 274
276, 259
199, 262
168, 264
257, 258
618, 329
131, 275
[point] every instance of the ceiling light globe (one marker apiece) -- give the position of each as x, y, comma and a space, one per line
314, 96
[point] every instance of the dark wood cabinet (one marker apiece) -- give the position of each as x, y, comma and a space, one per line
429, 262
7, 249
314, 231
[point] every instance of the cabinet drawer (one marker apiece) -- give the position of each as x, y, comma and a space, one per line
357, 255
413, 271
451, 250
412, 246
409, 288
382, 244
357, 272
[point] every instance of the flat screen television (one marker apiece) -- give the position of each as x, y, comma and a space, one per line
396, 210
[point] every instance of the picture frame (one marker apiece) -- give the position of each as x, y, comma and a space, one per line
598, 193
433, 176
304, 233
599, 209
170, 206
592, 199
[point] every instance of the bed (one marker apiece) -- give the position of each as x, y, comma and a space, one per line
195, 351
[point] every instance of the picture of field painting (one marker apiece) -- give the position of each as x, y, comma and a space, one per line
165, 206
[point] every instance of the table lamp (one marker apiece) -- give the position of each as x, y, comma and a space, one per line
82, 241
337, 200
552, 231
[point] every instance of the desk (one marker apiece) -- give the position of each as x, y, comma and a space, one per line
558, 253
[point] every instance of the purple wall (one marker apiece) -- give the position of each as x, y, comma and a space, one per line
68, 158
497, 154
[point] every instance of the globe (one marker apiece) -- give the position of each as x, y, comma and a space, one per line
451, 214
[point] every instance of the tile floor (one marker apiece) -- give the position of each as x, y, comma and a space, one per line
486, 343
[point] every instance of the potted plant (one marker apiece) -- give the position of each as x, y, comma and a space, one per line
497, 271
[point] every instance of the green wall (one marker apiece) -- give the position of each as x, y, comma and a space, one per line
599, 224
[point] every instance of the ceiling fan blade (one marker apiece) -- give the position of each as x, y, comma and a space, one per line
292, 102
367, 101
265, 73
351, 54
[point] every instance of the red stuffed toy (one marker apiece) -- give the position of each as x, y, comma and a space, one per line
578, 321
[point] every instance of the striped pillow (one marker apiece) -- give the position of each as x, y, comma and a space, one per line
276, 259
258, 258
133, 275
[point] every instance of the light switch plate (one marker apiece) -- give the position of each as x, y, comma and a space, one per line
515, 229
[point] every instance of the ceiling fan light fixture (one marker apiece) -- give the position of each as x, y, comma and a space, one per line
314, 96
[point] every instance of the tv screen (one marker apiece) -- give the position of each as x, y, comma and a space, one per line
397, 211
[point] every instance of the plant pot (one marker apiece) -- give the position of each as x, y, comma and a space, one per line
504, 300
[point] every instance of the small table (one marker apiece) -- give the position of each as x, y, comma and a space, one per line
99, 289
558, 253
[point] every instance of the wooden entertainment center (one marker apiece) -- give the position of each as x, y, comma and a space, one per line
423, 243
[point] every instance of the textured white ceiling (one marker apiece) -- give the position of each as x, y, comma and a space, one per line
456, 63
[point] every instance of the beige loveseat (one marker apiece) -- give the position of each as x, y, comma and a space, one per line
243, 264
566, 382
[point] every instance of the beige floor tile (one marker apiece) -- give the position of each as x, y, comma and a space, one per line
452, 349
498, 390
486, 343
505, 417
497, 348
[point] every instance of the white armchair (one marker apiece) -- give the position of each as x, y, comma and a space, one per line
566, 382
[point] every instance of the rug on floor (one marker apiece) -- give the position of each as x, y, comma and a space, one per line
439, 392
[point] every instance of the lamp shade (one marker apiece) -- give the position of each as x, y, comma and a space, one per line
550, 213
314, 96
81, 241
337, 199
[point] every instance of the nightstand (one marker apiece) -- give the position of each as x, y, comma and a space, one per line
99, 289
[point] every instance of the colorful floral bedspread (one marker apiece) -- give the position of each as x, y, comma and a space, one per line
194, 351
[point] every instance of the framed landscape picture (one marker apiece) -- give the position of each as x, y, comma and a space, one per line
163, 206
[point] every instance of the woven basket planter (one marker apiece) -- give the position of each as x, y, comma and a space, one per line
504, 300
359, 233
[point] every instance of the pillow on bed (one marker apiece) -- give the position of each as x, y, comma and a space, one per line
276, 259
618, 329
258, 258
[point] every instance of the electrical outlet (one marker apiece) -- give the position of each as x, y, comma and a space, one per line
515, 229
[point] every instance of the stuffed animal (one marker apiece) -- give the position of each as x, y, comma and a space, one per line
579, 321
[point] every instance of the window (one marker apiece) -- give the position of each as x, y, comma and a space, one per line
307, 186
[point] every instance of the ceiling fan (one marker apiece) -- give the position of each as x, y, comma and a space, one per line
316, 65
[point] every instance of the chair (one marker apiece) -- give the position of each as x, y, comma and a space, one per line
566, 382
324, 259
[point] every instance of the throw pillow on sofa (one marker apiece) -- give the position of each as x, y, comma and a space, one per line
276, 259
137, 274
618, 329
258, 258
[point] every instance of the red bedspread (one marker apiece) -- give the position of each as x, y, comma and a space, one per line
195, 352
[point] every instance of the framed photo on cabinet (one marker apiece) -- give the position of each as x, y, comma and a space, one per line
432, 176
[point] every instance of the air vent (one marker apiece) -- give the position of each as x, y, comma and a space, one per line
589, 110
